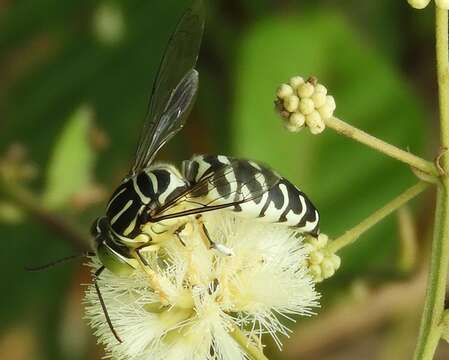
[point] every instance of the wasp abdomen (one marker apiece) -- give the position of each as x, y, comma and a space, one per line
282, 202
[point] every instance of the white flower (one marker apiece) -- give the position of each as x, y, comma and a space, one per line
209, 294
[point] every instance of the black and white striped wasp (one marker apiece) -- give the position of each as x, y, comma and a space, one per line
156, 199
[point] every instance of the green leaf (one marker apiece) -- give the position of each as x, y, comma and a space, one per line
70, 167
10, 213
344, 179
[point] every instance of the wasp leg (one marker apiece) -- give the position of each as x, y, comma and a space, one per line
158, 232
178, 231
149, 248
153, 276
103, 305
222, 249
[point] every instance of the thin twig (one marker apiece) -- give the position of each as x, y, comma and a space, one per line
56, 223
349, 319
352, 132
352, 234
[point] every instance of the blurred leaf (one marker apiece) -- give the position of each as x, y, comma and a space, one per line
24, 19
408, 240
108, 23
345, 180
115, 80
10, 213
70, 167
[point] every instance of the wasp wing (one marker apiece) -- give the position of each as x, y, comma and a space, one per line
217, 190
174, 89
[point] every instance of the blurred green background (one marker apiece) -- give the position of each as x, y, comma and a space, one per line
74, 83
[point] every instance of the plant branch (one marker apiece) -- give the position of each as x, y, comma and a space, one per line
430, 332
352, 235
442, 56
352, 132
253, 351
59, 225
431, 327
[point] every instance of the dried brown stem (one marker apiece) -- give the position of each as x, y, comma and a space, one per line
351, 318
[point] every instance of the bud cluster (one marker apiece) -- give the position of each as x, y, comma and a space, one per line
304, 103
321, 263
421, 4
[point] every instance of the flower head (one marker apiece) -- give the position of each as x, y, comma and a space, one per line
209, 294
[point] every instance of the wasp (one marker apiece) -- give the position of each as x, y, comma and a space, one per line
156, 200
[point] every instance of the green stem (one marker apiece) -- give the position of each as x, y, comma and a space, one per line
442, 55
430, 328
351, 235
352, 132
253, 351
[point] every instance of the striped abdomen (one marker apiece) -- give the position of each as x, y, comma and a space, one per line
149, 189
282, 203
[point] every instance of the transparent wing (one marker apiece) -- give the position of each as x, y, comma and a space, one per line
217, 190
174, 89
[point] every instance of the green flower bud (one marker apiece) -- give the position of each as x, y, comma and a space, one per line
322, 240
319, 99
297, 119
305, 90
316, 257
296, 81
325, 111
314, 122
283, 91
291, 103
306, 106
418, 4
320, 89
327, 268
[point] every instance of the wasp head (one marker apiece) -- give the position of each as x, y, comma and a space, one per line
113, 255
100, 231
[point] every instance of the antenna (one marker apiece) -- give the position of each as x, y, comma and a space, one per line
59, 261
